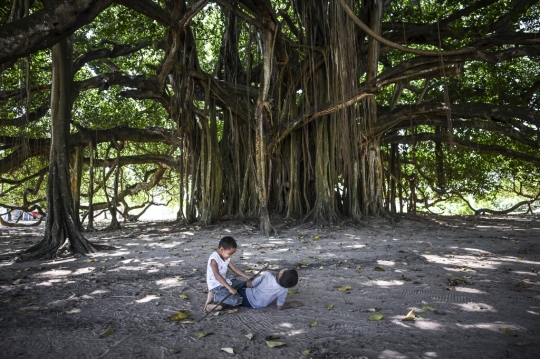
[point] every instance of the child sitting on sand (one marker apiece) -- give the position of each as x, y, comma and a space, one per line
219, 286
263, 290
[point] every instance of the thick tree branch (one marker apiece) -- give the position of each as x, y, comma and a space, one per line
479, 147
46, 27
382, 40
148, 8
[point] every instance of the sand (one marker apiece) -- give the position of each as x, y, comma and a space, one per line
472, 282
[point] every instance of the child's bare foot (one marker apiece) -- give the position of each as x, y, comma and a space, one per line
209, 300
210, 307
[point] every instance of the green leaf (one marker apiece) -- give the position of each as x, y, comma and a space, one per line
306, 352
376, 317
330, 306
427, 307
379, 269
314, 324
202, 334
292, 291
344, 288
183, 296
107, 332
274, 344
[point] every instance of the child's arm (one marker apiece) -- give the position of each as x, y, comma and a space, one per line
290, 305
220, 278
238, 271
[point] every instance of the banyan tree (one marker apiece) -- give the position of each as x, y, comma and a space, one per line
309, 110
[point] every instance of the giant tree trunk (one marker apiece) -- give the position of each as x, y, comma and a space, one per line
61, 228
260, 137
373, 177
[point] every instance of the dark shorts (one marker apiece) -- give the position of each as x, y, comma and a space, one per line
242, 292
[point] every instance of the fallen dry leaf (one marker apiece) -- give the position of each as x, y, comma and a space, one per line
228, 350
249, 336
344, 288
410, 317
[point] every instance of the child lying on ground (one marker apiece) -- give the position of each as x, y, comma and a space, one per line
263, 290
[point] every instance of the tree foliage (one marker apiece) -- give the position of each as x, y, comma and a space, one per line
317, 111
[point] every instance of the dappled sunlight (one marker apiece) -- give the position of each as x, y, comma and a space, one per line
53, 273
386, 263
383, 283
428, 325
476, 250
469, 290
397, 320
147, 299
391, 354
49, 283
459, 260
169, 283
476, 307
517, 260
99, 291
296, 332
356, 246
81, 271
352, 236
493, 327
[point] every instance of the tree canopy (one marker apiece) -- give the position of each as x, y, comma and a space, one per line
311, 110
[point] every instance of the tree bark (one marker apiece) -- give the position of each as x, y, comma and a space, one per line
61, 227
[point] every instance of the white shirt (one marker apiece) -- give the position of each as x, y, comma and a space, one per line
265, 290
223, 266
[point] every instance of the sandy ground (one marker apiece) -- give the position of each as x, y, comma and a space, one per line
473, 283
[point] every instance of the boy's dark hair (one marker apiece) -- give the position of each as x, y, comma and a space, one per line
227, 242
289, 278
